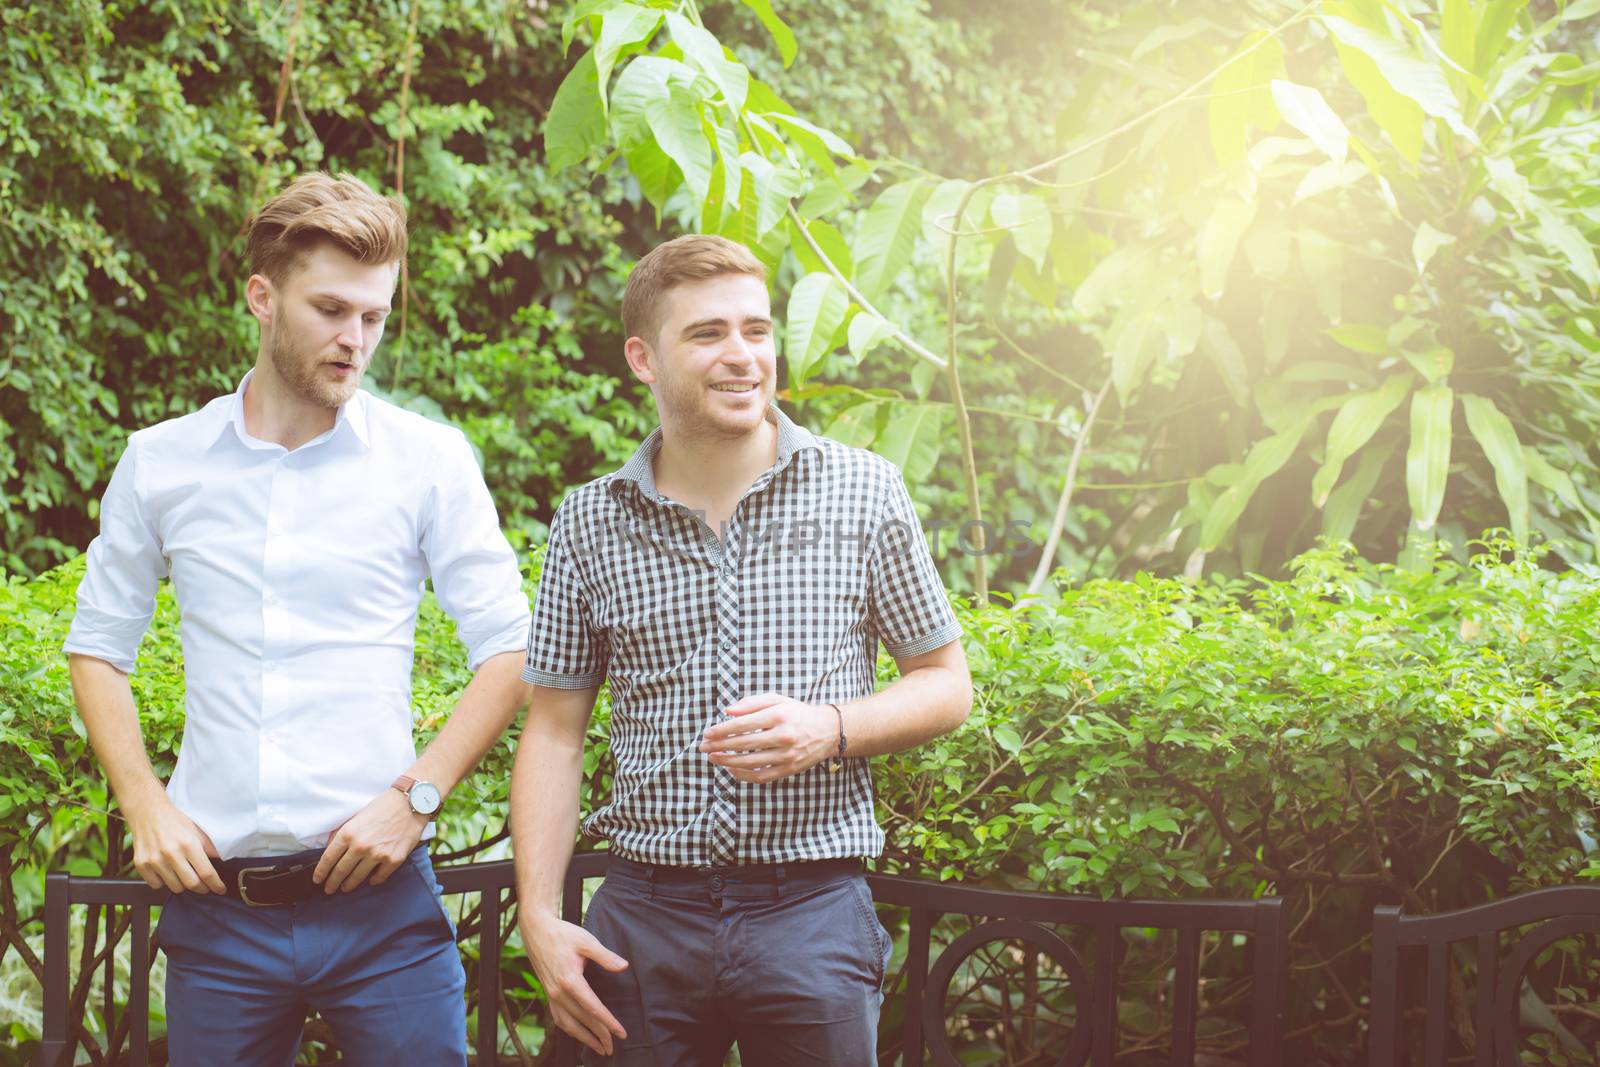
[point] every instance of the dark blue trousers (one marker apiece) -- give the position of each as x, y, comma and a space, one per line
379, 964
788, 962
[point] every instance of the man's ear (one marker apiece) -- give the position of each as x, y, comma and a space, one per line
640, 360
259, 295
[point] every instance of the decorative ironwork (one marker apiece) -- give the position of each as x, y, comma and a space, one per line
1002, 914
1562, 912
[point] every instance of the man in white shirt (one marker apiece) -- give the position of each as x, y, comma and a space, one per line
298, 519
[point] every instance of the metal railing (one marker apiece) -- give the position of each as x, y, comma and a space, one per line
1001, 916
1555, 914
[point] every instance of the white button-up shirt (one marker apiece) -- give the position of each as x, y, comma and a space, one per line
298, 575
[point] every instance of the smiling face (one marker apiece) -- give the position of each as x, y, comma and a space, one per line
322, 323
712, 366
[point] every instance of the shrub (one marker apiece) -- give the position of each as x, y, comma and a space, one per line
1351, 735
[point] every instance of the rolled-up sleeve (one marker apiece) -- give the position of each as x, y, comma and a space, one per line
908, 605
474, 571
125, 565
564, 649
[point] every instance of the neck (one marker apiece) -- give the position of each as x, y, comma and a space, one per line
273, 413
702, 471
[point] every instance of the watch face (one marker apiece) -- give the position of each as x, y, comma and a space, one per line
424, 798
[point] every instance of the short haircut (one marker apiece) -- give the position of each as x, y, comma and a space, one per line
319, 208
691, 258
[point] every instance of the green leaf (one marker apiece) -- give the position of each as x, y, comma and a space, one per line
706, 53
856, 425
1327, 176
657, 175
1505, 180
1241, 97
774, 188
642, 81
867, 331
580, 11
622, 27
1428, 457
1362, 337
788, 48
1130, 269
1219, 240
1565, 238
675, 121
817, 305
1432, 364
1304, 108
1552, 478
1345, 503
1498, 439
1406, 72
1133, 342
577, 120
829, 239
1580, 9
1266, 458
1217, 342
1397, 114
1358, 419
1426, 242
817, 143
1008, 738
887, 236
912, 439
1027, 220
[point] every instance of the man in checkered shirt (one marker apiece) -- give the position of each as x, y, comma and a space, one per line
732, 581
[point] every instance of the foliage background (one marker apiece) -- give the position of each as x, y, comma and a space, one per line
1228, 276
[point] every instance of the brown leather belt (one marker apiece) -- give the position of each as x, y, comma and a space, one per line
270, 881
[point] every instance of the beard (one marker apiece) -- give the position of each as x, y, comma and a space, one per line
687, 405
300, 371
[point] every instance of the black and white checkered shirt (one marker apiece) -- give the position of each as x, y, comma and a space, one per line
821, 560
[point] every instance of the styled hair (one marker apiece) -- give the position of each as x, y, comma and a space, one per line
693, 257
319, 208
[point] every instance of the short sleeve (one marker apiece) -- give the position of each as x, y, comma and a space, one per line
475, 573
908, 606
125, 565
564, 649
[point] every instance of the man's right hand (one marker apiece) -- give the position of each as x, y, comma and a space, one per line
170, 851
557, 951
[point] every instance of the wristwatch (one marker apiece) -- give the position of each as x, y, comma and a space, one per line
424, 796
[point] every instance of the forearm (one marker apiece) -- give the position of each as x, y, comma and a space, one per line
485, 709
916, 707
544, 811
105, 701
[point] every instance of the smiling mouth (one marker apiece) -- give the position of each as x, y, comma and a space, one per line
735, 387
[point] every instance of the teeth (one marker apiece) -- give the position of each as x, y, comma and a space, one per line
733, 388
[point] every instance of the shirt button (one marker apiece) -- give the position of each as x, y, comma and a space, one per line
716, 883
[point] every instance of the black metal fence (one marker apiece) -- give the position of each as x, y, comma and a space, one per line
998, 916
1497, 1027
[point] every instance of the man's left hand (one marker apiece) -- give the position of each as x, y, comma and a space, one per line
371, 845
770, 736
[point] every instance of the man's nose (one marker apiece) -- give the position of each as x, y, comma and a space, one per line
351, 334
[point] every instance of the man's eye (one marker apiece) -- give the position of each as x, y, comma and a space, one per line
374, 320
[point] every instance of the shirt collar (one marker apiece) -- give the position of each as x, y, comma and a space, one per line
640, 468
353, 417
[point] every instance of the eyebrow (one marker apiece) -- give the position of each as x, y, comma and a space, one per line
757, 320
335, 298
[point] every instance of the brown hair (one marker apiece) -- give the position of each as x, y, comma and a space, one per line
691, 258
317, 208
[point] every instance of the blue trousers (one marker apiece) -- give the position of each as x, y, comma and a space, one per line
379, 964
789, 966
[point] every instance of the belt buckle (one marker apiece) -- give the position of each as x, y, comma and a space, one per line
244, 894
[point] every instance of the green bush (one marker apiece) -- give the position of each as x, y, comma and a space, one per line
1352, 735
